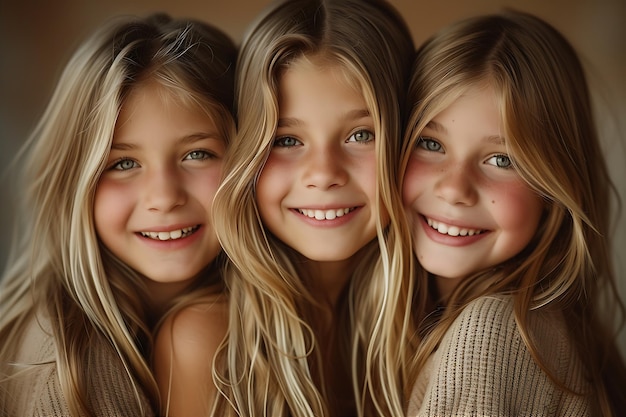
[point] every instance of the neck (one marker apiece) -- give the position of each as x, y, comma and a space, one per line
327, 280
445, 287
161, 293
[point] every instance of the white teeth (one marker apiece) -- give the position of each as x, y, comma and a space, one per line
171, 235
446, 229
325, 214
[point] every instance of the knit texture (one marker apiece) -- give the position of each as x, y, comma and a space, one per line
37, 392
483, 368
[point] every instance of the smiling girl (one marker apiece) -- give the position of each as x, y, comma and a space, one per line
309, 209
508, 197
119, 178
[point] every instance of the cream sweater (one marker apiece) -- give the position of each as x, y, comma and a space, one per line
38, 391
483, 368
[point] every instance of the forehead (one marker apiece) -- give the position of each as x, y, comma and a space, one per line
333, 65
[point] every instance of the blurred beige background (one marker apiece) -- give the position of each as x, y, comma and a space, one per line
37, 37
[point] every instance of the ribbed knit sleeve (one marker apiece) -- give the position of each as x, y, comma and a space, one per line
483, 368
37, 392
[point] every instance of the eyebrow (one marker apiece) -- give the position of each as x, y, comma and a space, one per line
351, 115
187, 139
495, 139
438, 127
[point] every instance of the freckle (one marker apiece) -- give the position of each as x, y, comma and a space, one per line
493, 201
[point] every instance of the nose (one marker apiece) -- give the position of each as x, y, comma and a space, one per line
163, 190
325, 168
456, 185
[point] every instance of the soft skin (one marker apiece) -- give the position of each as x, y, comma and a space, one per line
153, 201
317, 190
461, 178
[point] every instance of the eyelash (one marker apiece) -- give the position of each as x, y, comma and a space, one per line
208, 154
115, 166
500, 156
371, 137
425, 143
280, 141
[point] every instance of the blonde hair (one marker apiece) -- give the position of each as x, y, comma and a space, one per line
268, 363
60, 265
550, 134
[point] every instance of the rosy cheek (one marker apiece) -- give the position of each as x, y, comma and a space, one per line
268, 184
414, 177
208, 183
113, 195
519, 208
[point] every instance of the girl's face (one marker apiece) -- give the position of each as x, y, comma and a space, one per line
153, 201
317, 190
468, 206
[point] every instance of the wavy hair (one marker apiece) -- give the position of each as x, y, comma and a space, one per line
547, 118
269, 364
60, 266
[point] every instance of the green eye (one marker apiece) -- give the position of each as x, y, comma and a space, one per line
428, 144
286, 141
500, 161
362, 136
125, 164
198, 155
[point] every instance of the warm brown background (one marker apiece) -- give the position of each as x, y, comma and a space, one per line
37, 37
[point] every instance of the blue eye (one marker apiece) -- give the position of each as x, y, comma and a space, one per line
124, 164
361, 136
286, 141
500, 161
428, 144
199, 154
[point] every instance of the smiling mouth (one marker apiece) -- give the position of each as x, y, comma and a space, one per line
446, 229
325, 214
172, 234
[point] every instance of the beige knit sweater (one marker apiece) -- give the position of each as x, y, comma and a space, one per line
38, 392
483, 368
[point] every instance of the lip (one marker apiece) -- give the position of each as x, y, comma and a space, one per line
168, 228
327, 221
447, 239
452, 228
171, 244
325, 213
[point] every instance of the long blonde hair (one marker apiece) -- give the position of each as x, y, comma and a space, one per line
60, 266
551, 136
265, 366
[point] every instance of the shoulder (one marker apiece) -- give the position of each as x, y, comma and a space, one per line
490, 322
113, 388
185, 346
486, 311
193, 329
488, 327
484, 367
39, 391
486, 324
37, 343
484, 333
34, 357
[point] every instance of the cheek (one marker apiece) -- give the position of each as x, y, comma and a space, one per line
413, 178
518, 209
271, 183
366, 174
112, 205
205, 186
